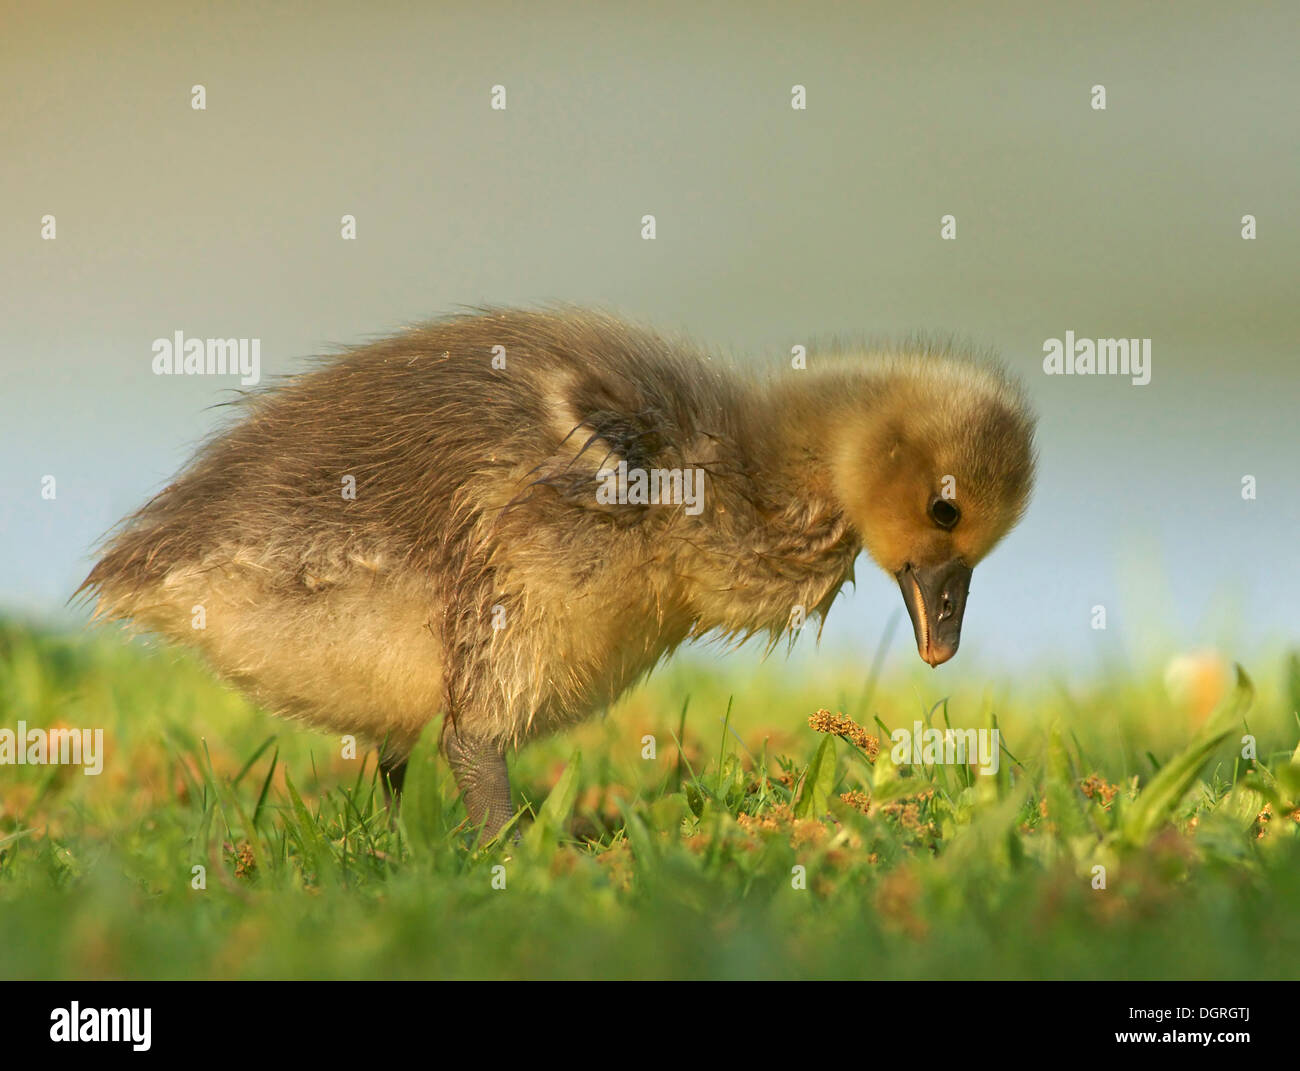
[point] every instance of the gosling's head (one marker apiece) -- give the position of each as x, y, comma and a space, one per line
935, 470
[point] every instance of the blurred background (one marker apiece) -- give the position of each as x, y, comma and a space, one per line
776, 227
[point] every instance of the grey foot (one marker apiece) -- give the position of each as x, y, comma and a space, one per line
480, 770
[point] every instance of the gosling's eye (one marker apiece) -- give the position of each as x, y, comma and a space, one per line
944, 513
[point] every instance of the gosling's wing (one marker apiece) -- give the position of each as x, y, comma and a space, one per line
603, 440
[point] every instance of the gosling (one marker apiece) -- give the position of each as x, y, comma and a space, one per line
509, 517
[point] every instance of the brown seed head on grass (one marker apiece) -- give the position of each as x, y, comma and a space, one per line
242, 854
1095, 787
846, 728
859, 801
774, 819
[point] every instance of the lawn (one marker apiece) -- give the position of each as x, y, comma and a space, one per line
714, 825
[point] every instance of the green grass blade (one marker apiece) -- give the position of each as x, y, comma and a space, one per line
1156, 805
555, 812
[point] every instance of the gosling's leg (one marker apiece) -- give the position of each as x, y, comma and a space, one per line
480, 769
392, 776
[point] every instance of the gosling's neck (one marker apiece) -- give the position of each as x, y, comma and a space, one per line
803, 421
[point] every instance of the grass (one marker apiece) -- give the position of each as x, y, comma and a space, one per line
758, 847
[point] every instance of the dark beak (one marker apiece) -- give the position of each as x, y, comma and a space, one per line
936, 598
